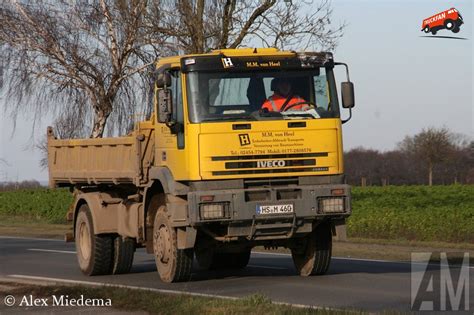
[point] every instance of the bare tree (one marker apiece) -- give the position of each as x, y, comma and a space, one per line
86, 59
76, 57
431, 146
200, 26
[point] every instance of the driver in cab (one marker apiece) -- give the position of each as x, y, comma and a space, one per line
283, 98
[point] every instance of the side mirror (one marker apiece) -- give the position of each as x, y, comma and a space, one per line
347, 92
163, 80
165, 105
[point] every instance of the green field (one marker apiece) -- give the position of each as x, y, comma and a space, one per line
44, 205
419, 213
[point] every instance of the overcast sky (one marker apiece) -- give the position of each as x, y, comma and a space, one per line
404, 81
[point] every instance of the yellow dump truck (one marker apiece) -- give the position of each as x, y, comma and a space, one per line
213, 172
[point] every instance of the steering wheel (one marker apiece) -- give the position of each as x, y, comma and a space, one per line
297, 104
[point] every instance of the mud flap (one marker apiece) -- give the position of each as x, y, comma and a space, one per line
339, 230
186, 237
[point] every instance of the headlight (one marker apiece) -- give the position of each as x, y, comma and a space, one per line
210, 211
331, 205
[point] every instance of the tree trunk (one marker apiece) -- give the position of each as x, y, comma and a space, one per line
430, 173
100, 119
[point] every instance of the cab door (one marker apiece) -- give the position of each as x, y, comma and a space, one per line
170, 137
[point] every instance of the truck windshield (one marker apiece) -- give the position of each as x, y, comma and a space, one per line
305, 94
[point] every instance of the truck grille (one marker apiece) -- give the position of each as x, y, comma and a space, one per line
268, 156
270, 163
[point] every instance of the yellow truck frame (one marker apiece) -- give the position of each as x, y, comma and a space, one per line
208, 178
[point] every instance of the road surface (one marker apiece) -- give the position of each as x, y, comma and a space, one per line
351, 283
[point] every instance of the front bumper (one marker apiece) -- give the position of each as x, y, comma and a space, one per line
240, 217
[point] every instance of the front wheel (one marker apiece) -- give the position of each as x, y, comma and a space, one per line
173, 264
314, 256
426, 29
456, 29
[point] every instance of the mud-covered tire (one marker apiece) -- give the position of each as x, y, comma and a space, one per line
173, 264
94, 252
124, 250
315, 257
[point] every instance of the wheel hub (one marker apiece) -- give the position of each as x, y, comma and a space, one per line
84, 241
163, 245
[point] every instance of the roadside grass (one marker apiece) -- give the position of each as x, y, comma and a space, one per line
28, 227
160, 303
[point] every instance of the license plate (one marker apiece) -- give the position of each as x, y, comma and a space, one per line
275, 209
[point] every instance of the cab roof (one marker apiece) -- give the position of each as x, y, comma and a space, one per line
238, 52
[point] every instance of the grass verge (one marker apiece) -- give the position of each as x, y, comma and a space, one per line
156, 303
24, 227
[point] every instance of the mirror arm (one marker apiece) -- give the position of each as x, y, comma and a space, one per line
347, 69
348, 118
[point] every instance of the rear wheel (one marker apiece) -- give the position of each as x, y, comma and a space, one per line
314, 256
426, 29
456, 29
124, 250
173, 264
434, 32
94, 252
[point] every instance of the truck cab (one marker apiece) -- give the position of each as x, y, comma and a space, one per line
216, 174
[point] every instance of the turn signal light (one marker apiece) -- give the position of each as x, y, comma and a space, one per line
337, 192
207, 198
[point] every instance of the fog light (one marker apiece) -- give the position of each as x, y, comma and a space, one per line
211, 211
331, 205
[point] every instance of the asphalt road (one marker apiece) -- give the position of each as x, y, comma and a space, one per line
351, 283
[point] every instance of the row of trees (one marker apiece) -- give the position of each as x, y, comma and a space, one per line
26, 184
91, 62
433, 156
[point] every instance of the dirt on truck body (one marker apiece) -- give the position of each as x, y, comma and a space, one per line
211, 174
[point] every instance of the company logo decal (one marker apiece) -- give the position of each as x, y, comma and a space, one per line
267, 164
244, 139
227, 62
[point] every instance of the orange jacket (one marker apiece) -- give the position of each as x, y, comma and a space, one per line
275, 102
